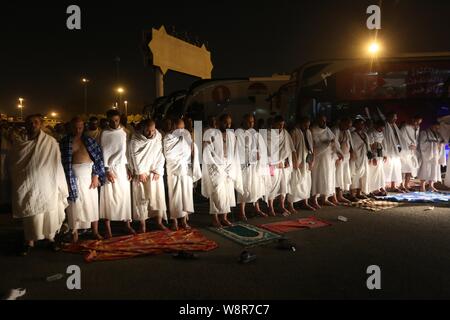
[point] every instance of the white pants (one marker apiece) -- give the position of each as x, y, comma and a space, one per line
393, 170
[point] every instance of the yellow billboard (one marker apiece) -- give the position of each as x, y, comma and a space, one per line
170, 53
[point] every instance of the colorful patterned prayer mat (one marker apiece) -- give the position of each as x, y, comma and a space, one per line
375, 205
294, 225
151, 243
247, 235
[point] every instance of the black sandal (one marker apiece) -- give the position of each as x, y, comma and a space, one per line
247, 257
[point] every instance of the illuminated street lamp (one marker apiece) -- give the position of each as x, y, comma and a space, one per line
85, 82
120, 91
20, 106
126, 107
374, 48
54, 114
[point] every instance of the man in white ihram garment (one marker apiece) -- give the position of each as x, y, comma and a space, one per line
410, 158
147, 165
377, 179
39, 187
395, 147
445, 134
303, 159
432, 152
360, 161
323, 174
5, 177
280, 153
255, 168
183, 170
115, 195
82, 159
221, 171
343, 172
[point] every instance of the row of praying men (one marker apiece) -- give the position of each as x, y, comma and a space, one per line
312, 166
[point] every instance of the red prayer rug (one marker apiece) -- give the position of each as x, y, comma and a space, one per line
150, 243
294, 225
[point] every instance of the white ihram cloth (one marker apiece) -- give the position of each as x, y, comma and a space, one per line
5, 179
393, 140
300, 188
377, 179
280, 148
115, 198
182, 172
360, 164
146, 157
409, 158
343, 172
255, 166
445, 133
323, 174
221, 172
39, 186
84, 211
432, 153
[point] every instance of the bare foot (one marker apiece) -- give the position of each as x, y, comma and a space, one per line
285, 212
226, 222
293, 211
97, 236
335, 202
217, 224
343, 200
242, 217
433, 189
329, 203
262, 214
108, 235
306, 206
162, 227
272, 213
174, 226
186, 226
316, 205
130, 231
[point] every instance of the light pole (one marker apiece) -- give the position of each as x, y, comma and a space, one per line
120, 91
20, 106
126, 107
85, 82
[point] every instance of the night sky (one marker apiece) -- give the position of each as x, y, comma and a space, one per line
42, 61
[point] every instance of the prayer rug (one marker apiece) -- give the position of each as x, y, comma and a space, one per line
419, 197
247, 235
294, 225
150, 243
374, 205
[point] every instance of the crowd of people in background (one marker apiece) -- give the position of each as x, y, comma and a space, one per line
110, 170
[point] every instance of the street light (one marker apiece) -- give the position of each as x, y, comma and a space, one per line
54, 114
20, 106
120, 91
126, 107
85, 82
374, 48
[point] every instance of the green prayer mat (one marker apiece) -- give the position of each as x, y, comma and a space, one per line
247, 235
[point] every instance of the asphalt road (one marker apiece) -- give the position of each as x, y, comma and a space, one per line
409, 244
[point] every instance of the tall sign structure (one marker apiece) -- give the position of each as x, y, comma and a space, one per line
171, 53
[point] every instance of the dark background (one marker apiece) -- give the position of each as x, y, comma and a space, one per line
42, 61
